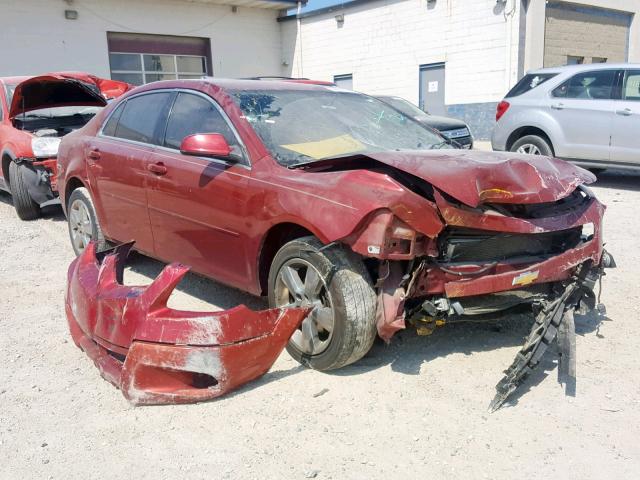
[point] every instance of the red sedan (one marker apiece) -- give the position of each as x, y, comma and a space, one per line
321, 197
35, 112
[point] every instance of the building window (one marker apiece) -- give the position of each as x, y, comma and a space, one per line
344, 81
142, 58
599, 60
139, 68
573, 60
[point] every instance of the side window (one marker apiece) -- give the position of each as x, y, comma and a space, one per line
109, 128
142, 116
597, 85
194, 114
631, 89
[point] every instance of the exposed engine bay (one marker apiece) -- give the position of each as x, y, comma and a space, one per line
56, 126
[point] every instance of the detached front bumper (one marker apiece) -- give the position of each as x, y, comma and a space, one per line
158, 355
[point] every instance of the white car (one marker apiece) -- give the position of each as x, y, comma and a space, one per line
588, 114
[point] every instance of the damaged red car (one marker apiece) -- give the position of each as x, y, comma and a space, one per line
330, 200
35, 113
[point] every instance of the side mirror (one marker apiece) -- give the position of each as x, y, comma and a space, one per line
205, 145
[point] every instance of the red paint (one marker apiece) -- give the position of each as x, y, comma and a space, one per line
167, 352
206, 145
32, 93
216, 216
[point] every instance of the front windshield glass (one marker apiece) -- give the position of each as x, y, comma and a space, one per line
303, 126
51, 112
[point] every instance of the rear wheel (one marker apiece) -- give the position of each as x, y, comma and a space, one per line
83, 222
532, 145
342, 325
25, 207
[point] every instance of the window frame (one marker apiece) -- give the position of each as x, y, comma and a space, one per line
245, 161
144, 72
616, 87
625, 74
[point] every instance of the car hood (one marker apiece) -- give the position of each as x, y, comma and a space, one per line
475, 177
440, 123
64, 90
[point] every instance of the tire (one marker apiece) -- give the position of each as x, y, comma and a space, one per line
80, 233
25, 207
346, 284
532, 143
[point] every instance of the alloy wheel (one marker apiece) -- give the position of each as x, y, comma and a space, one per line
299, 284
81, 226
529, 149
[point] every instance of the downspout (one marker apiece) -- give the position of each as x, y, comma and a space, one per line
509, 15
299, 21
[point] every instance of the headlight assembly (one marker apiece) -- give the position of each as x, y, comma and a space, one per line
45, 146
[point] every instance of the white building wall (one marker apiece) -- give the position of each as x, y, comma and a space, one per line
384, 42
36, 38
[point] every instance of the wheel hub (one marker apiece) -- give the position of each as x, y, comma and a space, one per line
299, 284
529, 149
80, 225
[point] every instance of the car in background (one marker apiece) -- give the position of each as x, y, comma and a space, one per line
317, 197
587, 114
450, 128
35, 113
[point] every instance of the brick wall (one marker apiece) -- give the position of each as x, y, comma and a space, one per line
579, 31
37, 38
384, 42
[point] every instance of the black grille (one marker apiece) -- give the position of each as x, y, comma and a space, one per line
463, 245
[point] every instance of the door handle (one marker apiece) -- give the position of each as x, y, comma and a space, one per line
157, 168
94, 153
557, 106
626, 112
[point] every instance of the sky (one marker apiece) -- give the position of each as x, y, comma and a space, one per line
315, 4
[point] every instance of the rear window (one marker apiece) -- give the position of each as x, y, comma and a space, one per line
529, 82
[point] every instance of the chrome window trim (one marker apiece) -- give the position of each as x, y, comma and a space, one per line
246, 163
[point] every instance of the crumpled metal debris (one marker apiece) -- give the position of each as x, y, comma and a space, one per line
553, 321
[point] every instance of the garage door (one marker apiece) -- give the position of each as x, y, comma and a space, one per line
579, 34
139, 58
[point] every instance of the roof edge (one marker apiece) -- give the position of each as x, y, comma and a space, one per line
333, 8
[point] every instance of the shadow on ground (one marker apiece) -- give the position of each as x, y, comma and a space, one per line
407, 352
619, 179
52, 212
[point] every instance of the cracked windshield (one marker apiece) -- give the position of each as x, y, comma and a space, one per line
300, 127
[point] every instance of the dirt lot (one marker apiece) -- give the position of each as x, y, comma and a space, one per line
414, 409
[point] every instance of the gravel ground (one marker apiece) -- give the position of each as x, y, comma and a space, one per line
414, 409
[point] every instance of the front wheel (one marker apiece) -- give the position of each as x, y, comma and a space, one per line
532, 145
83, 222
25, 207
342, 325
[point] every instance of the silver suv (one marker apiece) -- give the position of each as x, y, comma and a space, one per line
588, 114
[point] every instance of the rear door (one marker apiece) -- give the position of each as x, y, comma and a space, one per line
117, 162
625, 134
198, 206
584, 108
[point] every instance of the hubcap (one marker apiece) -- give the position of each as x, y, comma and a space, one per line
529, 149
80, 225
299, 284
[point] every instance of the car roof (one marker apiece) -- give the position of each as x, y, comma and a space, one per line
13, 80
241, 84
585, 67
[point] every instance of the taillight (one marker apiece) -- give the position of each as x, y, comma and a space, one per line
502, 109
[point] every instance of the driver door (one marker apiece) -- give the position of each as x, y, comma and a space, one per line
197, 205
